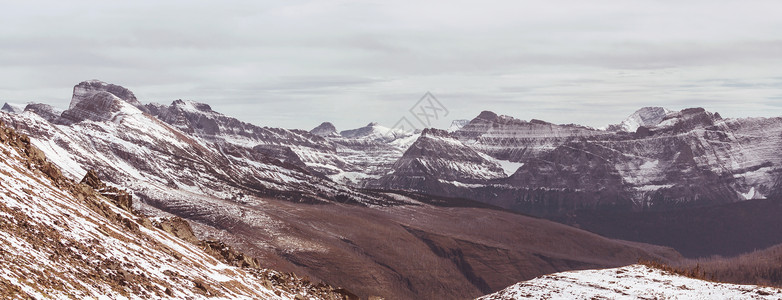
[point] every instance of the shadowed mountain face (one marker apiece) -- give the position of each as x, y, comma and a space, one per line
685, 159
726, 230
267, 192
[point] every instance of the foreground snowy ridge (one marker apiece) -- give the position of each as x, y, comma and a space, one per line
630, 282
63, 240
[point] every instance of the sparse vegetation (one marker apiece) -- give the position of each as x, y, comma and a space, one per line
763, 267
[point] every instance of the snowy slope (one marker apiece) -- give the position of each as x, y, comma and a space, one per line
630, 282
372, 150
157, 161
63, 240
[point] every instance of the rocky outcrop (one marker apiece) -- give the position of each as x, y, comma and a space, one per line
120, 197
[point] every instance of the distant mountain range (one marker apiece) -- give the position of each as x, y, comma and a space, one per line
420, 214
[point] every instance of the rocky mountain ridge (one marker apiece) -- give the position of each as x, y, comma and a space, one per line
688, 158
64, 239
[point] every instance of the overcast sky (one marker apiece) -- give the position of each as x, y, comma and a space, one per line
295, 64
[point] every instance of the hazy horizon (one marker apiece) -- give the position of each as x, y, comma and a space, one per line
297, 64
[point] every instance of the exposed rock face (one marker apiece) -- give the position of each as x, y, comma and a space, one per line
325, 129
119, 197
86, 90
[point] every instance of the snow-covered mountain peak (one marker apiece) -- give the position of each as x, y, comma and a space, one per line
325, 129
457, 124
99, 106
87, 89
646, 117
13, 108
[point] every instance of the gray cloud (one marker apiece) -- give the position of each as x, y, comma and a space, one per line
297, 63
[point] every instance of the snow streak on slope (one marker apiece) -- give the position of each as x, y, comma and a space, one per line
507, 138
646, 117
631, 282
372, 150
63, 240
137, 151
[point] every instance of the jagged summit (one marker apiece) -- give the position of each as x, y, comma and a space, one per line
643, 117
325, 129
87, 89
99, 101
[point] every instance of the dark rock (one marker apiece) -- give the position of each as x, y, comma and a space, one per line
179, 228
119, 197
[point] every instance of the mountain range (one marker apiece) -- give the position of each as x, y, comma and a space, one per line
398, 214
